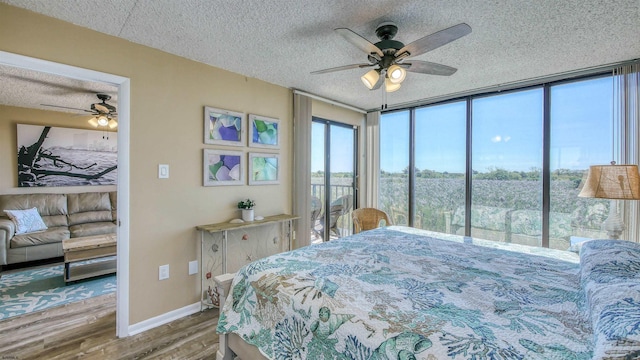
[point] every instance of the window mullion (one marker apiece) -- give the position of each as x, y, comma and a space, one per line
546, 167
412, 166
469, 172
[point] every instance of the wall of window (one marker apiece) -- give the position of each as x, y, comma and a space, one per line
504, 167
393, 196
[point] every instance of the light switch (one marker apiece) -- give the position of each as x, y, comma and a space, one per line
193, 267
163, 171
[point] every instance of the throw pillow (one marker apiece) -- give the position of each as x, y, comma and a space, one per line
26, 220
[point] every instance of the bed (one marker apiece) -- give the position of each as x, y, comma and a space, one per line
404, 293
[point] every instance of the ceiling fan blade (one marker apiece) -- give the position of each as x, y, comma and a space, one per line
425, 67
101, 108
66, 107
360, 42
340, 68
435, 40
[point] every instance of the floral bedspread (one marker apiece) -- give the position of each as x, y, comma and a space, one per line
610, 275
401, 293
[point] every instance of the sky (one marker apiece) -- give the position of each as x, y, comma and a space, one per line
342, 148
506, 131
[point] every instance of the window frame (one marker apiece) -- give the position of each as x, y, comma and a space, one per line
546, 145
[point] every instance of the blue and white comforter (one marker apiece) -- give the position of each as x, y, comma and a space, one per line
401, 293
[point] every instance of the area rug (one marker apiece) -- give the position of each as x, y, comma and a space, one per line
42, 288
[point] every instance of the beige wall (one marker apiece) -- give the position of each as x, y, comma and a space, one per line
329, 111
168, 94
10, 117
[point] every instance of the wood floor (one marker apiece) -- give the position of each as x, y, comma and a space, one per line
87, 330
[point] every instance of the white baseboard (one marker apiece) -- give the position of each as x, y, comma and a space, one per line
163, 319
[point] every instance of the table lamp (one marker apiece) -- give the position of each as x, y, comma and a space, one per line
615, 182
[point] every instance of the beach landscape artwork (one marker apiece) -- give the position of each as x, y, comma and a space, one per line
55, 156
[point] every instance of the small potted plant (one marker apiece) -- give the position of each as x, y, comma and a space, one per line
247, 209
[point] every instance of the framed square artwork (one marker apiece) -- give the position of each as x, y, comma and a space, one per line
264, 169
224, 127
264, 132
223, 167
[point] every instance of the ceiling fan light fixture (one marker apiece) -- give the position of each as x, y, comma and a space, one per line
370, 79
102, 120
396, 74
113, 124
389, 86
93, 122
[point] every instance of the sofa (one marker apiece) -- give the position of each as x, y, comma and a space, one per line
65, 216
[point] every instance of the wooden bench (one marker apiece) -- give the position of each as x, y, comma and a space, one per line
87, 248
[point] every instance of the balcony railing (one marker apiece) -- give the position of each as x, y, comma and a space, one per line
340, 223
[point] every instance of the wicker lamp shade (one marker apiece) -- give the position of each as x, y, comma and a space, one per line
620, 182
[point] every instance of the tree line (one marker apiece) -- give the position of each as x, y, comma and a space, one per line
494, 173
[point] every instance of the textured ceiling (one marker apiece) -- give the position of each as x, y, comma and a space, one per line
281, 42
31, 89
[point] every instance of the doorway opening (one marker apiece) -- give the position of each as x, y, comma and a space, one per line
123, 106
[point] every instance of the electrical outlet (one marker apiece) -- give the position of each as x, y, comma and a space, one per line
163, 272
193, 267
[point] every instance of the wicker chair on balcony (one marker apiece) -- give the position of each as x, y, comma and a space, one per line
368, 219
316, 215
339, 207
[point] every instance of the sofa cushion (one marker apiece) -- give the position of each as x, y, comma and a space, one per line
89, 207
26, 221
94, 228
113, 196
51, 207
49, 236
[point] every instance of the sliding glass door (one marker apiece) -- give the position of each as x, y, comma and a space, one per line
333, 179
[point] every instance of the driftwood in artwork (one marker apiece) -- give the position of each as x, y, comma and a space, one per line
30, 168
83, 176
27, 155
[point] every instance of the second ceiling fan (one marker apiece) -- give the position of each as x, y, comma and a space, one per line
390, 57
105, 114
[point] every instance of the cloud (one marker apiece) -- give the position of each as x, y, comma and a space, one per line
498, 138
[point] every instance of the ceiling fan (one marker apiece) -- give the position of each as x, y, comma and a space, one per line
391, 57
104, 113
